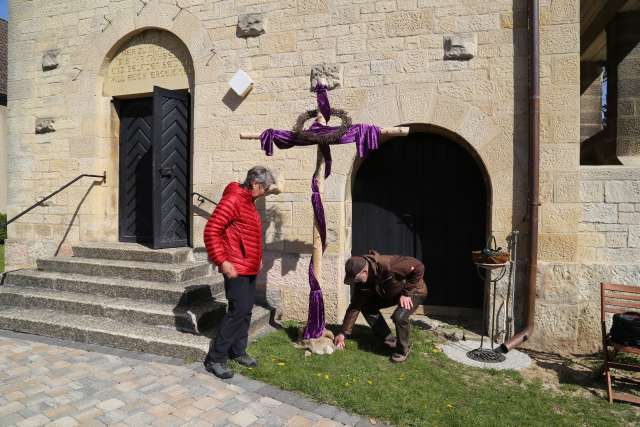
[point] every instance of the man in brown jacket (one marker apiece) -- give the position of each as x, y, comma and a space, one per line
381, 281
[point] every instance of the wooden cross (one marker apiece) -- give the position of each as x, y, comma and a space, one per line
316, 257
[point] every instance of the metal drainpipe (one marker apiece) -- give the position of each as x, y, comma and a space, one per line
534, 160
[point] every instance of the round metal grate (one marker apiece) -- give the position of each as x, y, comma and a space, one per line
486, 356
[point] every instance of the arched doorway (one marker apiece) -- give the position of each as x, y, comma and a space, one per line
425, 196
149, 78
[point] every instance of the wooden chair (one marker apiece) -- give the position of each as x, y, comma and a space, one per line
618, 299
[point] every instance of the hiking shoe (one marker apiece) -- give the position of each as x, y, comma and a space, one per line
399, 358
246, 360
220, 370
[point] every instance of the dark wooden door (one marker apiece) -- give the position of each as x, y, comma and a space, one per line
424, 196
171, 177
135, 219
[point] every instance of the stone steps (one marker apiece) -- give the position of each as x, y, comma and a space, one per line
115, 333
203, 314
122, 295
167, 293
135, 270
132, 252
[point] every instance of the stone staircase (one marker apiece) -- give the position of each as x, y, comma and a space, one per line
121, 295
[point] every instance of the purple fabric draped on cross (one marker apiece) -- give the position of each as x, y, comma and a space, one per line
366, 137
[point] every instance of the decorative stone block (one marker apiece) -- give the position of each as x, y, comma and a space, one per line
460, 47
241, 83
50, 60
251, 25
45, 126
330, 73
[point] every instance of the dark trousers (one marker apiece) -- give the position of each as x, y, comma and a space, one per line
400, 317
233, 334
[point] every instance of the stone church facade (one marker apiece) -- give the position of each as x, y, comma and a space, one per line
454, 72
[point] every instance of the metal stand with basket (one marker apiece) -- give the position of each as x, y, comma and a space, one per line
490, 260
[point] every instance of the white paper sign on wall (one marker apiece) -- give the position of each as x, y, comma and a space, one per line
241, 83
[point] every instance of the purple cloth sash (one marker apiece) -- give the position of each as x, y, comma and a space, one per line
366, 138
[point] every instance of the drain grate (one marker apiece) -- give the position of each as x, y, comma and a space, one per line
486, 356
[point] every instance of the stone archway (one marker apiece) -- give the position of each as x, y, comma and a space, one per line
149, 79
146, 59
427, 195
99, 119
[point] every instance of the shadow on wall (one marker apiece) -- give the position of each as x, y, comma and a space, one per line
232, 100
74, 216
272, 219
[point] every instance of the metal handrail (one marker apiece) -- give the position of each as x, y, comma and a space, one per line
40, 202
202, 198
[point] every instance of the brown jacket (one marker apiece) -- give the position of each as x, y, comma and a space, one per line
390, 276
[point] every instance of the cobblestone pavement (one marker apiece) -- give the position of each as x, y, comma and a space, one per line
50, 382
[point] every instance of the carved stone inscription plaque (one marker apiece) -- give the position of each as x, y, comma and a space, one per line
150, 58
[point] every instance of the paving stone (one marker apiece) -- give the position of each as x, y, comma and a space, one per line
12, 418
326, 423
207, 403
299, 421
346, 418
34, 421
167, 421
10, 408
84, 390
243, 418
59, 411
110, 405
306, 404
139, 419
285, 411
215, 417
187, 413
326, 410
64, 422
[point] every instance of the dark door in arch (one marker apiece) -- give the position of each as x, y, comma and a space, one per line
155, 169
424, 196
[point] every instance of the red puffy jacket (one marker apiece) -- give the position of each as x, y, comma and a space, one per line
234, 231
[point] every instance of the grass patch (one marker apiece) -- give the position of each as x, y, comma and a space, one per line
428, 389
1, 258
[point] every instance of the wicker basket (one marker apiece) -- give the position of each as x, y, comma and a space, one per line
498, 257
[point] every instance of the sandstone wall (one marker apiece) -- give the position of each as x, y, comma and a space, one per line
390, 56
568, 306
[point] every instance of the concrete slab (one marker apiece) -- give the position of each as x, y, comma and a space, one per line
458, 350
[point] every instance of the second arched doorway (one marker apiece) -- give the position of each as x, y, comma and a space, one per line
425, 196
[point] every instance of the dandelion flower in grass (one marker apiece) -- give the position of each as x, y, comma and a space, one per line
370, 382
326, 376
449, 405
280, 363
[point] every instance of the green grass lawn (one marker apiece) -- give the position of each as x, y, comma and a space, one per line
1, 258
428, 389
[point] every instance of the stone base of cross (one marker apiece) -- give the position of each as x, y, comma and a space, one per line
366, 138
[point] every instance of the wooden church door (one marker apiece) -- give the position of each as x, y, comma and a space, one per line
155, 169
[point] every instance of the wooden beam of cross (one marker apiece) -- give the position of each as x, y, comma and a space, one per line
319, 177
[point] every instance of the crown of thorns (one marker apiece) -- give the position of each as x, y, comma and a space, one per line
302, 134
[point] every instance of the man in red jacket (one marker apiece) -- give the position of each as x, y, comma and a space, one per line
233, 238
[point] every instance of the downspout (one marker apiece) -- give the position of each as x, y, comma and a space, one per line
534, 163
